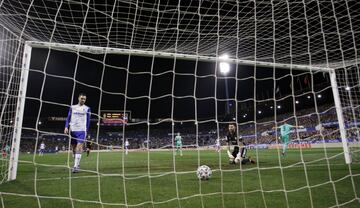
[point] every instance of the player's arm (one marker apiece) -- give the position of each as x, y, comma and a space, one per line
67, 123
88, 115
275, 128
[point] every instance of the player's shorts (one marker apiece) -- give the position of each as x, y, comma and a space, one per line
77, 137
178, 145
285, 138
126, 146
42, 150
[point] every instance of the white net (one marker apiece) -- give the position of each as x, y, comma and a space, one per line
154, 65
10, 63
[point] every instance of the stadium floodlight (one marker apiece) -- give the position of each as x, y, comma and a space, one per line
259, 112
279, 106
347, 88
319, 95
224, 66
297, 102
271, 107
308, 97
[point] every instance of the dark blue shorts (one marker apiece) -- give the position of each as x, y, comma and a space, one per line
77, 137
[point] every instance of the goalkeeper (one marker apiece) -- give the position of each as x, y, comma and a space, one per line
238, 153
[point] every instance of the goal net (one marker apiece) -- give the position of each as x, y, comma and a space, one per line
164, 81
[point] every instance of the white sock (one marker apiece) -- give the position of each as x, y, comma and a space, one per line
77, 160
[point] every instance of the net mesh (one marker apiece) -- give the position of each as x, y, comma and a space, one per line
306, 33
10, 63
192, 97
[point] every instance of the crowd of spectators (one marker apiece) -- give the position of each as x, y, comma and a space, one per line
319, 126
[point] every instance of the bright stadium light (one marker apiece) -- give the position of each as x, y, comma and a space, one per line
297, 102
279, 106
319, 95
271, 107
224, 66
259, 112
347, 88
308, 97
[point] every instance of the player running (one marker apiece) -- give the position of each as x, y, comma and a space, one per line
285, 135
178, 141
77, 124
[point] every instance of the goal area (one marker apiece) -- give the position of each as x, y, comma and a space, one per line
156, 70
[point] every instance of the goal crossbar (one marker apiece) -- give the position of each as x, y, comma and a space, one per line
191, 57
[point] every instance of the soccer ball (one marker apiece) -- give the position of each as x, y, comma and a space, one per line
203, 172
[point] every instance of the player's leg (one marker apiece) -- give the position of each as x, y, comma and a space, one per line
180, 148
285, 140
87, 152
126, 150
177, 149
73, 142
234, 154
243, 150
79, 149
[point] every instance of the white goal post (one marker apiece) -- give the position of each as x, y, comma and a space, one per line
18, 121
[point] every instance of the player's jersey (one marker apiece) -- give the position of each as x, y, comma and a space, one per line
127, 143
285, 129
178, 140
232, 139
42, 146
78, 118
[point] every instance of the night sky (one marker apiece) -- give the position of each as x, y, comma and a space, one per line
55, 75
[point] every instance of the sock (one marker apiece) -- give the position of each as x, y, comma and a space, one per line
284, 147
77, 160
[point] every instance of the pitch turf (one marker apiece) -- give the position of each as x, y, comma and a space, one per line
157, 179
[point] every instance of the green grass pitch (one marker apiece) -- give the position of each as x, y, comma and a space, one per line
158, 179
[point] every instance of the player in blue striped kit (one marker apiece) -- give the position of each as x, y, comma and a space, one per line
77, 124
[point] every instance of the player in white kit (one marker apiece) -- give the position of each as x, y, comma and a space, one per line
77, 124
42, 148
127, 144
